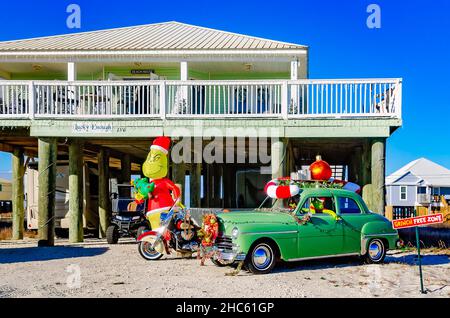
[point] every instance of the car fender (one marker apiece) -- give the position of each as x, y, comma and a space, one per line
377, 229
148, 236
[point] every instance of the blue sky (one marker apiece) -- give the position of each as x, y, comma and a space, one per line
413, 43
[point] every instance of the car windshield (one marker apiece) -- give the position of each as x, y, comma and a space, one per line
280, 205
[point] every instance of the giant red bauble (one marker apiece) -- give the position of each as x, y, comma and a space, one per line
320, 169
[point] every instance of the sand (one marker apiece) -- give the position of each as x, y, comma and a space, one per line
96, 269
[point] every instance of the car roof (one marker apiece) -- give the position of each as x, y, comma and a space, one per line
327, 191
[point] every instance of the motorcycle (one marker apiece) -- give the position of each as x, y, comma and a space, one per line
177, 231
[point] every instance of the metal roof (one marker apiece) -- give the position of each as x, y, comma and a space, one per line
427, 171
159, 36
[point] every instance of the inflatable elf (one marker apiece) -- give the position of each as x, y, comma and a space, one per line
159, 191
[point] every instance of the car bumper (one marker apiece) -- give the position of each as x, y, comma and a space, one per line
229, 256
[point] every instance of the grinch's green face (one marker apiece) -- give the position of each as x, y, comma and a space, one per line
155, 167
318, 204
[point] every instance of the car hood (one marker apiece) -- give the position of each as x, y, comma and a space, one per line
240, 217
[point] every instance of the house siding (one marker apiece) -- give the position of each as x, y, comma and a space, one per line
393, 195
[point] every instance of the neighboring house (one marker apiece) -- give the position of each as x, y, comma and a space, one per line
420, 183
117, 89
5, 195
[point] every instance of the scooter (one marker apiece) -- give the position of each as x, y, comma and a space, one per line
178, 231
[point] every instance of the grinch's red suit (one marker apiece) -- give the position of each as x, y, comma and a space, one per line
163, 196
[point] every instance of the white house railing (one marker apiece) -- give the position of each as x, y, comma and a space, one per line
207, 99
14, 99
345, 97
222, 98
96, 99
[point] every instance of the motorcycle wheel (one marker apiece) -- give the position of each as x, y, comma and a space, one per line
147, 252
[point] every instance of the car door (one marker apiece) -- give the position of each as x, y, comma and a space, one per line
353, 218
323, 234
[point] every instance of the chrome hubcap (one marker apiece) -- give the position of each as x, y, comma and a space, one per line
262, 257
375, 250
149, 250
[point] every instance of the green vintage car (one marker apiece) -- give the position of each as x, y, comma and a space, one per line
341, 225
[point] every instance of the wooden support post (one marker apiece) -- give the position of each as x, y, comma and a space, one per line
125, 165
218, 177
378, 175
18, 212
227, 188
104, 210
290, 160
194, 180
48, 150
278, 160
76, 191
209, 174
179, 175
366, 164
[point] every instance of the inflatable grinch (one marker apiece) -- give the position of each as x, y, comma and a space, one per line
159, 191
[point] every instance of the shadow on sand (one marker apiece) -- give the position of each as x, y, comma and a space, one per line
342, 262
35, 254
338, 262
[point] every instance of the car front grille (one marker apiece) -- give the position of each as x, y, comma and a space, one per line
224, 242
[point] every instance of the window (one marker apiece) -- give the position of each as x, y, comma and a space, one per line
421, 190
318, 205
403, 193
348, 206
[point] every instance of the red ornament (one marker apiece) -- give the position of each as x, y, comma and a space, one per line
320, 169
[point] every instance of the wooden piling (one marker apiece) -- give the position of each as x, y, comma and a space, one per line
227, 186
179, 175
104, 210
209, 188
47, 152
366, 164
76, 191
278, 160
125, 165
194, 182
378, 174
18, 212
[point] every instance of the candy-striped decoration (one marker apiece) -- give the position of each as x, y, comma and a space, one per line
289, 188
277, 191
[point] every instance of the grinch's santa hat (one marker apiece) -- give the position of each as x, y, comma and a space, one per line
162, 144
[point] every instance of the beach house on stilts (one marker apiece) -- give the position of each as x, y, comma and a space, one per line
97, 100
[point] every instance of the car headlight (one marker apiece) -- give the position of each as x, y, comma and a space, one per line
234, 233
136, 217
